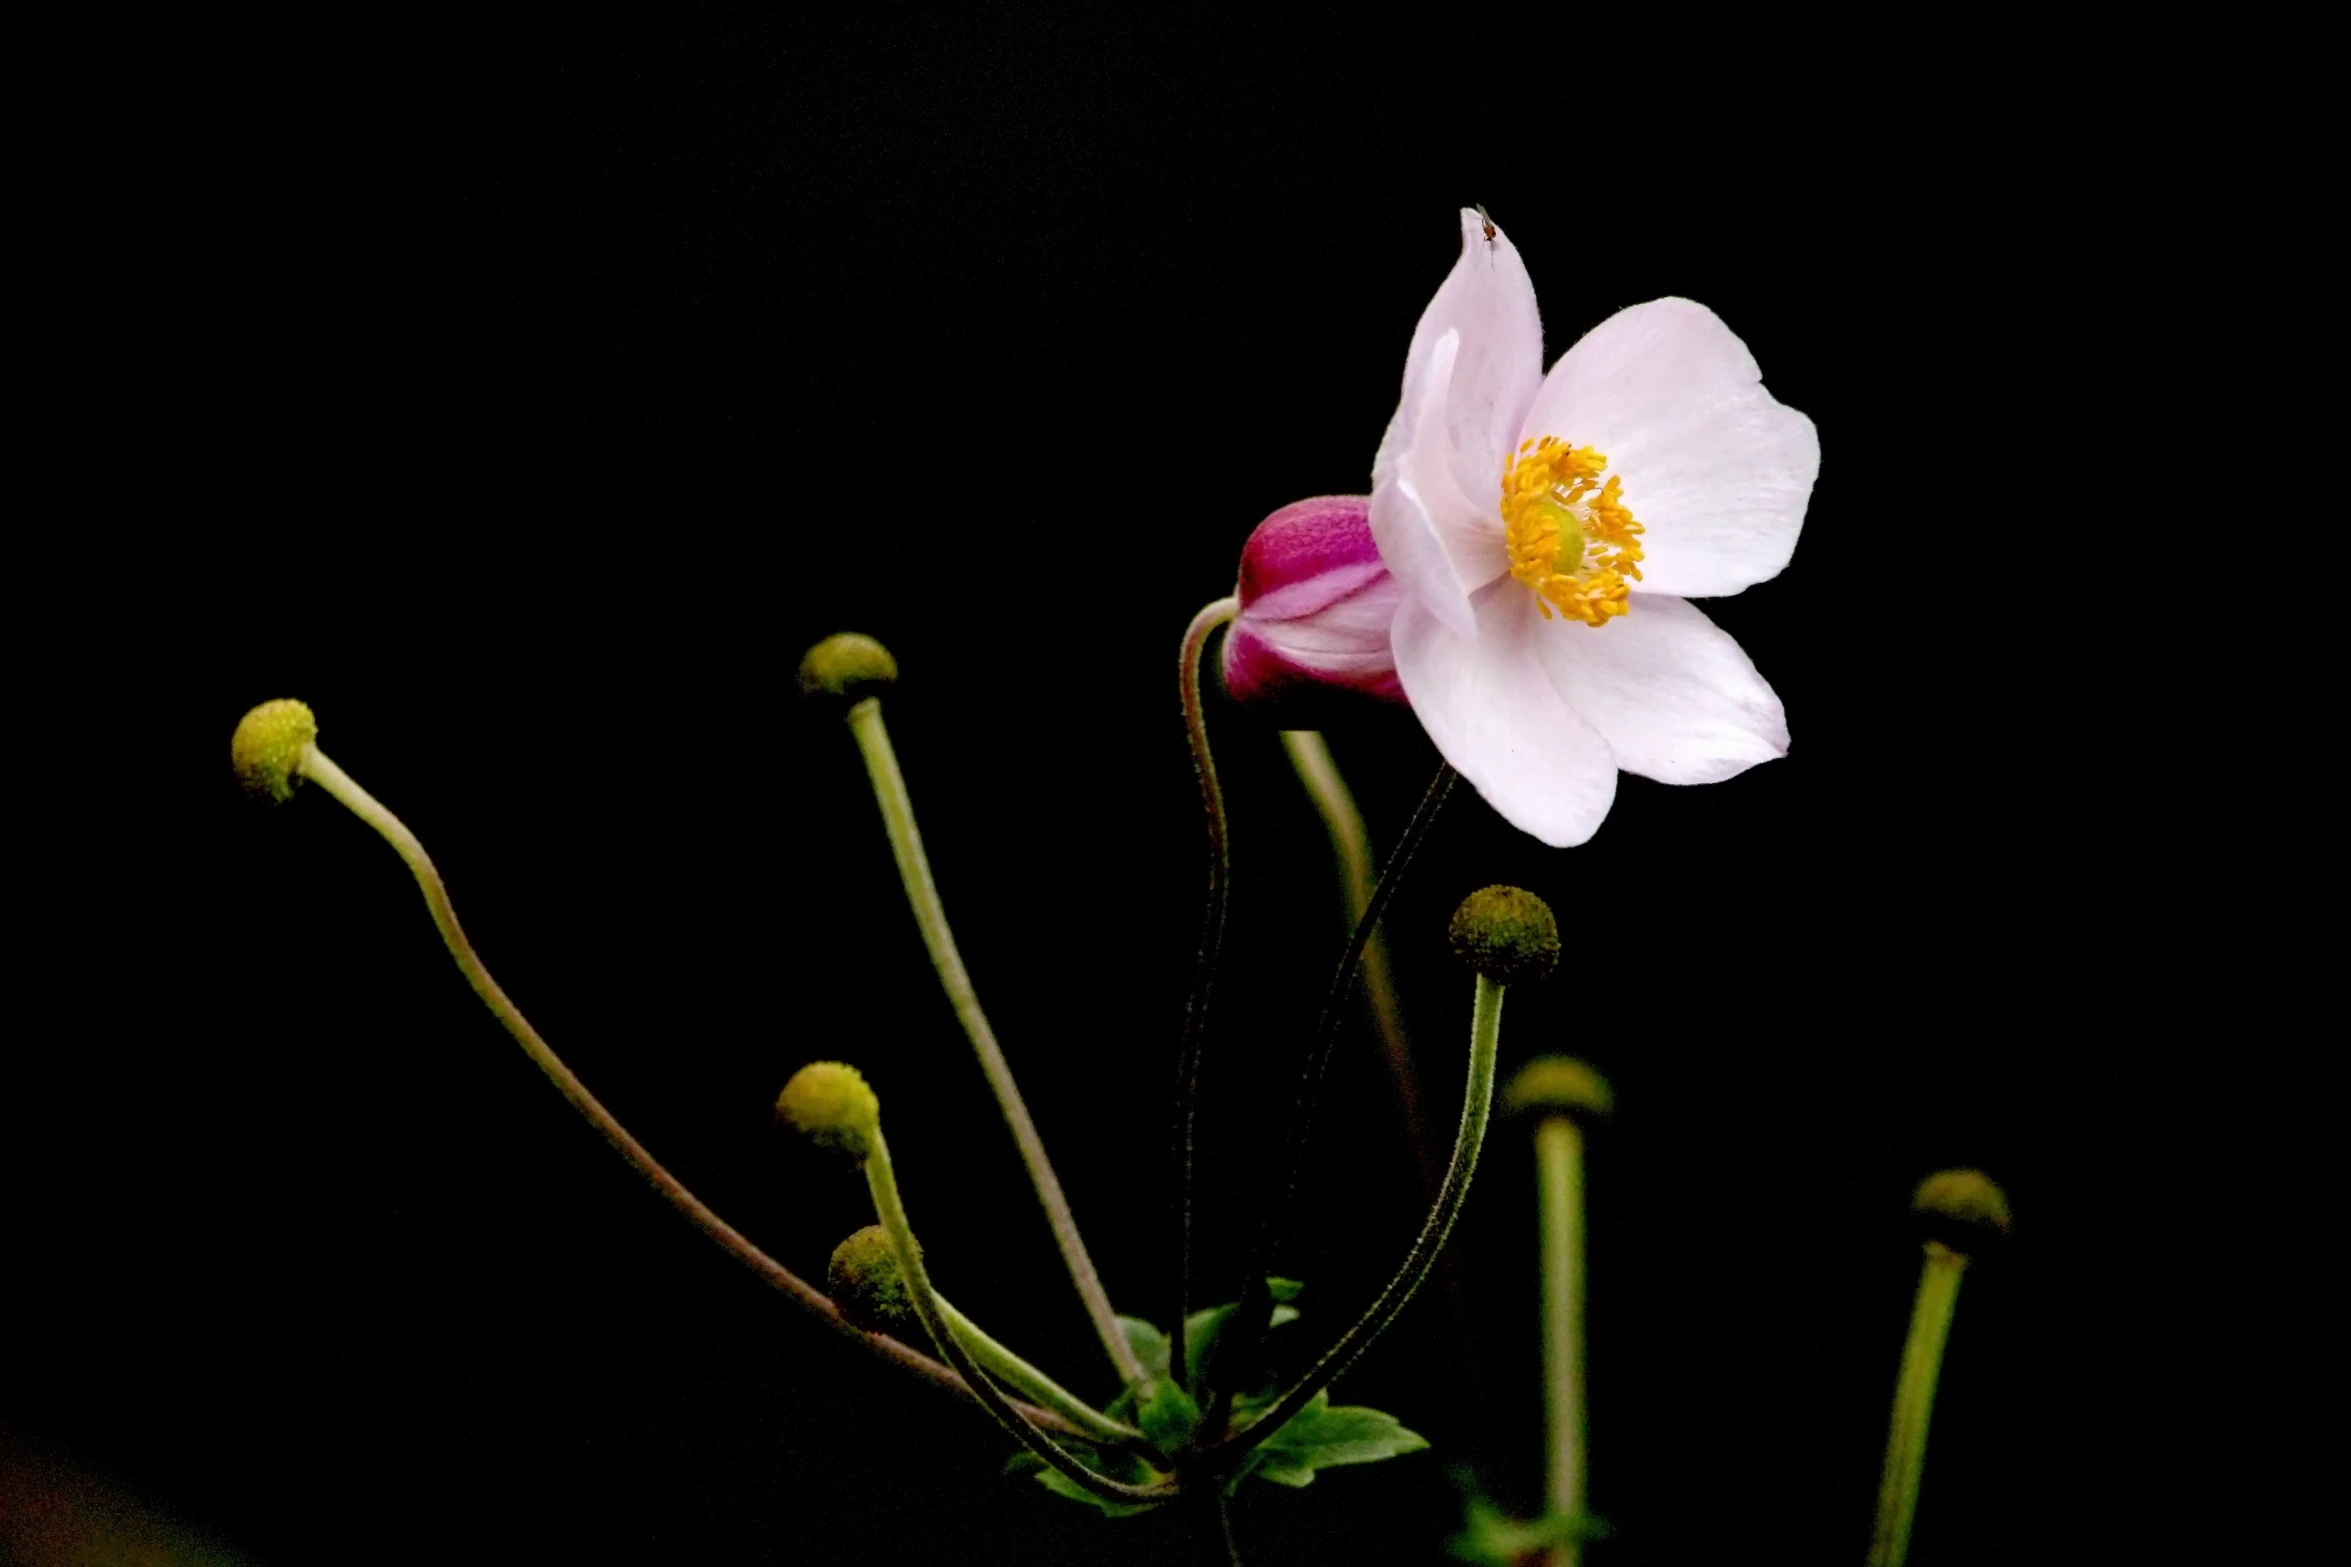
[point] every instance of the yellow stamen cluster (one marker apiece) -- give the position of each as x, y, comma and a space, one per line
1570, 537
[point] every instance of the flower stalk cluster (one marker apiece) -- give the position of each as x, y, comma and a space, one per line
1521, 576
277, 744
922, 894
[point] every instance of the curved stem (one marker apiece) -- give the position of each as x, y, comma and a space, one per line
1021, 1377
1204, 965
1914, 1404
1253, 1317
1559, 1201
1310, 757
882, 1181
1350, 844
1212, 1527
316, 767
1485, 1032
889, 788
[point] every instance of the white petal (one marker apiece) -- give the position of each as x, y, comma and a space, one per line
1489, 300
1675, 697
1491, 709
1475, 362
1715, 469
1415, 507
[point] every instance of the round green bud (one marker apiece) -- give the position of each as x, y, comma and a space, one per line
1507, 934
1558, 1085
829, 1104
1962, 1209
846, 669
267, 748
864, 1281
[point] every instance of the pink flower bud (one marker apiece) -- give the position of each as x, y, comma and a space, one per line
1315, 604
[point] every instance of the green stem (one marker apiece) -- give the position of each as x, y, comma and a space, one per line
1025, 1379
1244, 1338
318, 769
881, 1179
1310, 758
1212, 1527
1559, 1166
1220, 869
1477, 1103
1914, 1403
889, 788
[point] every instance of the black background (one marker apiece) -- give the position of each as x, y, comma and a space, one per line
528, 400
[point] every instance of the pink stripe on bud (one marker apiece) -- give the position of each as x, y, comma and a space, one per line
1316, 601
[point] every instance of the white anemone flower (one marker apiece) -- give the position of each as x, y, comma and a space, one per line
1546, 638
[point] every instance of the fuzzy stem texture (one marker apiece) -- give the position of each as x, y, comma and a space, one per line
1220, 869
889, 788
1310, 757
320, 770
881, 1179
1025, 1379
1240, 1350
1477, 1103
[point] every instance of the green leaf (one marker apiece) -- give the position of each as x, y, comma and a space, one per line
1203, 1329
1024, 1462
1285, 1474
1318, 1437
1495, 1539
1117, 1462
1148, 1343
1492, 1538
1168, 1417
1321, 1436
1062, 1485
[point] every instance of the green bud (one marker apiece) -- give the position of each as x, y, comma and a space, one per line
846, 669
829, 1104
1507, 934
267, 748
864, 1281
1558, 1085
1962, 1209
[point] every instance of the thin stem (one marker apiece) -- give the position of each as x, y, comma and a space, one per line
1021, 1377
1254, 1315
1559, 1194
1477, 1103
316, 767
882, 1181
1914, 1403
889, 788
1212, 1517
1204, 964
1310, 757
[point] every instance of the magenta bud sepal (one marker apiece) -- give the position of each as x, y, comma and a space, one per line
1316, 600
